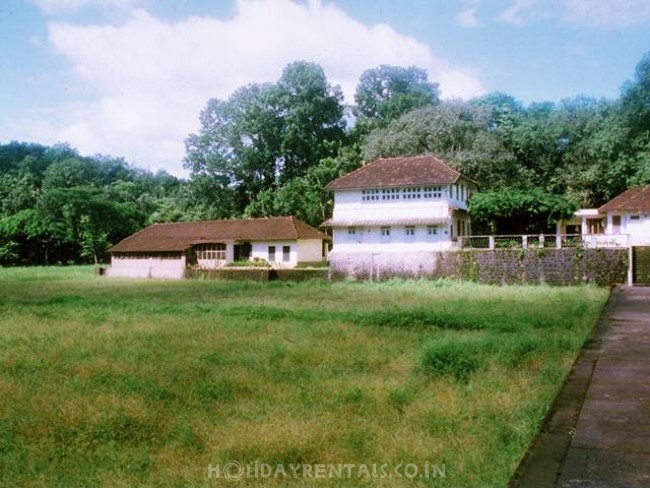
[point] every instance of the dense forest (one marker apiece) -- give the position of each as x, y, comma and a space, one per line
270, 149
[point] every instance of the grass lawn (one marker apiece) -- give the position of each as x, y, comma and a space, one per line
107, 382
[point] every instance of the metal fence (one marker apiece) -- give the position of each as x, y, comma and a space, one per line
537, 241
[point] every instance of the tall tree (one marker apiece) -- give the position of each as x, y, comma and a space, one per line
264, 136
388, 92
635, 100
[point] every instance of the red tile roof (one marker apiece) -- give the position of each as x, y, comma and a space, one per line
636, 198
393, 172
178, 236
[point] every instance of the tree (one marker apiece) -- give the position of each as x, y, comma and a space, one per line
71, 172
263, 136
458, 132
312, 118
388, 92
635, 100
81, 221
514, 211
305, 197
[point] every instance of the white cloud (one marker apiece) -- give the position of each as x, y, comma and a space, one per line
518, 13
54, 7
607, 13
155, 76
468, 17
579, 13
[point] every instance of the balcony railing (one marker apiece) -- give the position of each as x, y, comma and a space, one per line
537, 241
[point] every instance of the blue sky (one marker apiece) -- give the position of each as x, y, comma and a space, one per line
129, 77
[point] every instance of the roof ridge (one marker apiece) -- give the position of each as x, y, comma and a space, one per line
399, 171
218, 220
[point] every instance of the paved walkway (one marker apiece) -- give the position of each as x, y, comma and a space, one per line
598, 432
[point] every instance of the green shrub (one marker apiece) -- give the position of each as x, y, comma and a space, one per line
252, 263
455, 357
417, 317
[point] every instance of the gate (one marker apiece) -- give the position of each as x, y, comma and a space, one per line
641, 265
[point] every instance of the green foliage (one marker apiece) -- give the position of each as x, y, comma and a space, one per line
515, 211
255, 263
452, 357
263, 137
387, 92
305, 197
636, 100
56, 206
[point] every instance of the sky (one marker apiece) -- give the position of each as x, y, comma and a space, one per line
128, 78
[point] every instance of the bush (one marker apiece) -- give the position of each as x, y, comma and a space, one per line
414, 318
253, 263
453, 357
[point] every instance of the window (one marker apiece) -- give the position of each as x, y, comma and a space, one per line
432, 230
385, 231
412, 193
432, 192
215, 252
635, 217
369, 195
271, 253
286, 253
390, 194
461, 227
352, 231
410, 231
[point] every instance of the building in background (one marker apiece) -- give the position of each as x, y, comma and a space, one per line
395, 214
623, 221
166, 250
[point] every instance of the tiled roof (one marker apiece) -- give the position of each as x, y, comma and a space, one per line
636, 198
394, 172
178, 236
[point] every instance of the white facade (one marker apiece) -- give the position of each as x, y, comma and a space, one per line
634, 224
610, 229
288, 254
147, 267
279, 254
400, 219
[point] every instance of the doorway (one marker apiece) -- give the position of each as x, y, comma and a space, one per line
242, 251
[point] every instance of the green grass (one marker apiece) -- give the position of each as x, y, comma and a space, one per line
131, 383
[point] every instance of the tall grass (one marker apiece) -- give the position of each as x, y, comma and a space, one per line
131, 383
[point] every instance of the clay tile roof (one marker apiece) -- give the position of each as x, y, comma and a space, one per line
403, 171
636, 198
178, 236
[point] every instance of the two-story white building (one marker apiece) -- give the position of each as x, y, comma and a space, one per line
395, 212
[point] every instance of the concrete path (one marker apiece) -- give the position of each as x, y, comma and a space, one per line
598, 432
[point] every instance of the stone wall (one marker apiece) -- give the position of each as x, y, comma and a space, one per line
567, 266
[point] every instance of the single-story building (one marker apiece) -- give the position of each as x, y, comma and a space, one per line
166, 250
623, 221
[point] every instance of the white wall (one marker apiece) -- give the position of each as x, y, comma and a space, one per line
638, 229
304, 250
261, 251
147, 268
348, 205
310, 250
369, 239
